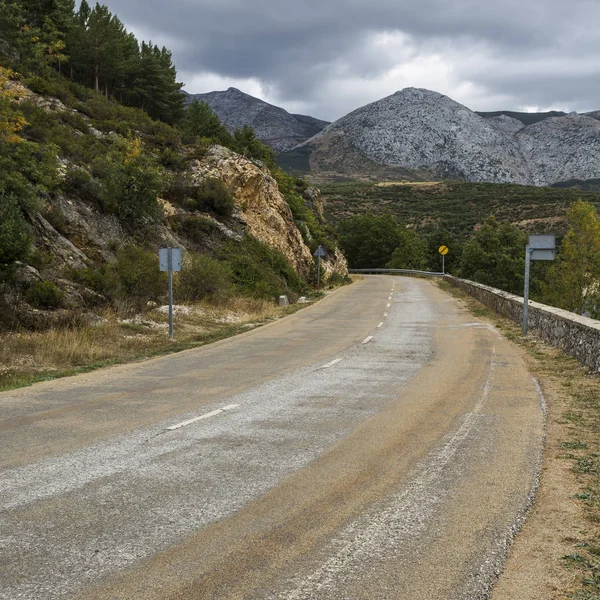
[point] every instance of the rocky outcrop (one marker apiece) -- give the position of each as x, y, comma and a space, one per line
259, 203
561, 148
312, 196
427, 132
335, 265
273, 125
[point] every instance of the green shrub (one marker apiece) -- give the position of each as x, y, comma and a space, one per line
133, 182
79, 184
134, 277
204, 277
94, 278
306, 220
40, 85
57, 219
44, 294
179, 188
40, 259
260, 271
196, 228
212, 194
15, 237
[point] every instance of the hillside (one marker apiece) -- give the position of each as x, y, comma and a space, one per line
418, 134
459, 206
273, 125
111, 187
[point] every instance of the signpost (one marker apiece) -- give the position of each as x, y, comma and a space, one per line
170, 260
319, 252
443, 250
540, 247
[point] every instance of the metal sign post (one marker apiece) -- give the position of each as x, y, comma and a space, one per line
170, 260
443, 250
540, 247
319, 252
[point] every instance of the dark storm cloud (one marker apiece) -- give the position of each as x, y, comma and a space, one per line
298, 51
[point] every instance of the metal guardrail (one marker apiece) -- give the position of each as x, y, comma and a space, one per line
395, 271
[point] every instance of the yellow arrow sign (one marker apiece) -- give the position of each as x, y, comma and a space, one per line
443, 250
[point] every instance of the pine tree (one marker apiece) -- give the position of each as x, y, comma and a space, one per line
201, 121
155, 87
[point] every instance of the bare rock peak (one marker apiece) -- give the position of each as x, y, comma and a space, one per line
423, 130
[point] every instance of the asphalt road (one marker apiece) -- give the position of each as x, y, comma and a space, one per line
381, 444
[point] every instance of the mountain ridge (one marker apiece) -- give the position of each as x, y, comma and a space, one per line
272, 124
428, 132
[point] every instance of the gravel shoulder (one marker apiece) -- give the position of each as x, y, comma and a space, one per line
555, 555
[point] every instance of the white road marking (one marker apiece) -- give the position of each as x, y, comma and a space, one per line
385, 314
389, 305
380, 325
330, 364
367, 340
201, 417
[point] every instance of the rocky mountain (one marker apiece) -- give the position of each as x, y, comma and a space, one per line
419, 134
273, 125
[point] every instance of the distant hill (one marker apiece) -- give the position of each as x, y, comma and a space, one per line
525, 117
273, 125
418, 134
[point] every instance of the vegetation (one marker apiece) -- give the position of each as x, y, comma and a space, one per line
134, 278
30, 356
15, 236
107, 126
495, 256
369, 241
260, 271
411, 252
457, 206
204, 277
44, 294
574, 281
484, 225
213, 195
133, 183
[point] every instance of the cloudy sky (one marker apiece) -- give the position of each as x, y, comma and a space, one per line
327, 57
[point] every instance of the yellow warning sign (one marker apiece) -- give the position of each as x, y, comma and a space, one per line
443, 250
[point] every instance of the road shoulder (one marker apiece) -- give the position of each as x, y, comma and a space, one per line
555, 553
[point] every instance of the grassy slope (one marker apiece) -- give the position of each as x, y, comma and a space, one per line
457, 205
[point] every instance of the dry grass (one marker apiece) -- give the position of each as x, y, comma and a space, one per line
578, 390
30, 356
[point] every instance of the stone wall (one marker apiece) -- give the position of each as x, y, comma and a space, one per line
576, 335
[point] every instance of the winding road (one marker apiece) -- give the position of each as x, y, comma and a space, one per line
383, 443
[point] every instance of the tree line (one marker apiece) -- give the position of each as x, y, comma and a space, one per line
493, 255
90, 46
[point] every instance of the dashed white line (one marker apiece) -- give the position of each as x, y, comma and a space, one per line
367, 340
201, 417
330, 364
380, 325
389, 305
385, 314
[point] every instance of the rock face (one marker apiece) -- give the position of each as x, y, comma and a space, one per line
425, 131
259, 203
273, 125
